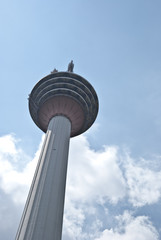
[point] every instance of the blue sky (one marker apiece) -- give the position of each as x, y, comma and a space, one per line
116, 46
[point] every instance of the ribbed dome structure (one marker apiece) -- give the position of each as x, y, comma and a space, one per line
67, 94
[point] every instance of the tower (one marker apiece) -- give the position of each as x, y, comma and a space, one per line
63, 105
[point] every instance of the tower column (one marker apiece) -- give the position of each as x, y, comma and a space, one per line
43, 214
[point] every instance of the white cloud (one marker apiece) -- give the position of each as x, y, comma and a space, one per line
94, 176
15, 181
144, 184
7, 145
97, 177
131, 228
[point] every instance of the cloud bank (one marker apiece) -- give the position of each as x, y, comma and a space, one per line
131, 228
97, 183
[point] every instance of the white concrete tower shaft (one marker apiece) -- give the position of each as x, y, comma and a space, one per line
43, 214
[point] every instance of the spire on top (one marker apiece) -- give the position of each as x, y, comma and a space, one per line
70, 66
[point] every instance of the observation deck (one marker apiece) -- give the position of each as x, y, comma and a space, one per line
67, 94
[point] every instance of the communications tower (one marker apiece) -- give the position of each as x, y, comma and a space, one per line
63, 105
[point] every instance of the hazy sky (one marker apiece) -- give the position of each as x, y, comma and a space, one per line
114, 174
